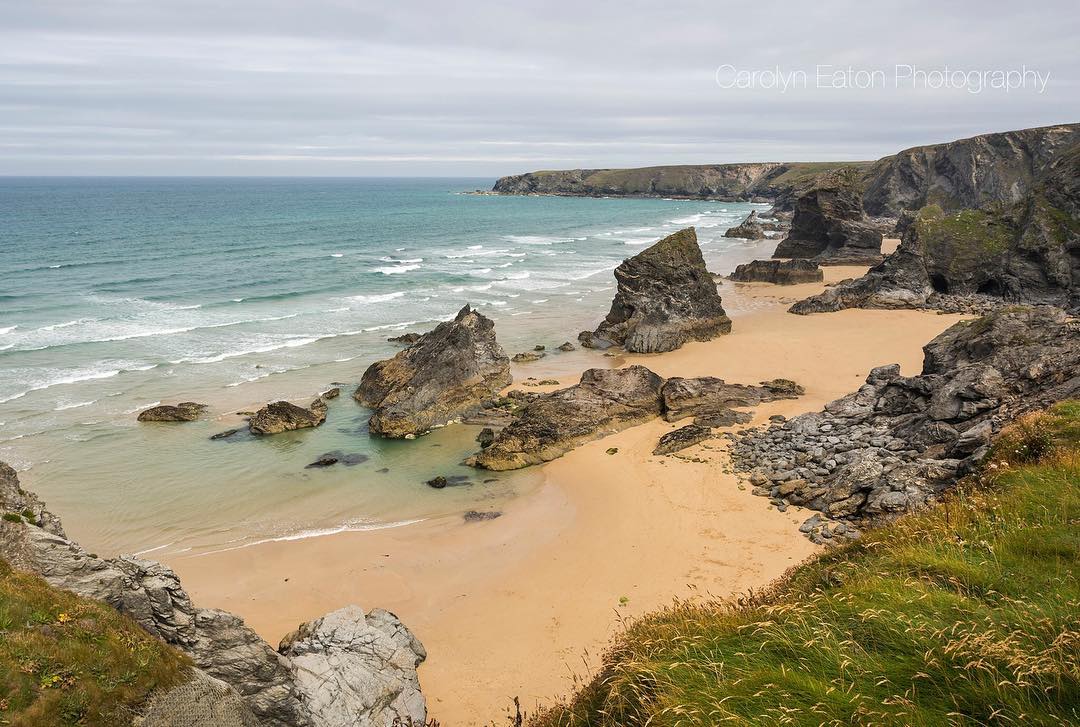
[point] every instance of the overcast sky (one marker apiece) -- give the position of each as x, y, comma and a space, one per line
332, 87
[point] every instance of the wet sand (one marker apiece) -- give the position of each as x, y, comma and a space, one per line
523, 605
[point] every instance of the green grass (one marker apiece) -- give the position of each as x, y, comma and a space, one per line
67, 660
965, 614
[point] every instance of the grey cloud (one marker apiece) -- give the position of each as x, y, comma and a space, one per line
485, 89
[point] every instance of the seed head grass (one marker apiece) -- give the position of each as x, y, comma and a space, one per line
967, 613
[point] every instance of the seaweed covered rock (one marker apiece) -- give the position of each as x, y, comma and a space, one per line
665, 298
283, 416
829, 224
185, 411
604, 402
779, 272
748, 229
444, 375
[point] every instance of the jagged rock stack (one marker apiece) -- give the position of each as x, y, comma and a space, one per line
665, 298
829, 224
444, 375
748, 229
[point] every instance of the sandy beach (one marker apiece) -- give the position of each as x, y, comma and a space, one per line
523, 605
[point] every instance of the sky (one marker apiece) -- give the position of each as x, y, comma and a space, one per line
473, 88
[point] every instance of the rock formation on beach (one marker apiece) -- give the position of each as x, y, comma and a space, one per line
347, 668
707, 396
185, 411
282, 416
665, 298
748, 229
446, 374
1028, 252
899, 441
604, 402
829, 224
779, 272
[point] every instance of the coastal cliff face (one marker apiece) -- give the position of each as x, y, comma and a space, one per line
371, 658
731, 182
974, 172
977, 258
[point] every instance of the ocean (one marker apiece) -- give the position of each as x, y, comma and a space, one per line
119, 293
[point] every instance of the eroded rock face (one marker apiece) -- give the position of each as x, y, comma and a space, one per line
604, 402
185, 411
665, 298
968, 173
977, 259
748, 229
829, 224
779, 272
282, 416
898, 442
357, 668
220, 644
445, 375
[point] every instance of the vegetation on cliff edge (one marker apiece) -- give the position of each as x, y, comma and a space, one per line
67, 660
964, 614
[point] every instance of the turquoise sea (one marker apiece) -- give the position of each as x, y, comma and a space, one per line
117, 293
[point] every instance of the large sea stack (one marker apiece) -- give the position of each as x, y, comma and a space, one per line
829, 224
446, 374
665, 298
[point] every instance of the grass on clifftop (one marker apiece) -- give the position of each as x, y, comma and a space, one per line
965, 614
67, 660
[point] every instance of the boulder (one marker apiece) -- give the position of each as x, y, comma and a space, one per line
527, 357
604, 402
567, 346
448, 373
680, 439
748, 229
829, 224
282, 416
665, 298
352, 668
185, 411
779, 272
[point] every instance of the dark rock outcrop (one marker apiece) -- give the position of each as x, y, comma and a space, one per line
982, 170
406, 338
282, 416
708, 396
748, 229
829, 224
185, 411
779, 272
976, 258
682, 438
448, 373
665, 298
898, 442
604, 402
277, 689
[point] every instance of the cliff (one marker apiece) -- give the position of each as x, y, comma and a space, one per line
766, 180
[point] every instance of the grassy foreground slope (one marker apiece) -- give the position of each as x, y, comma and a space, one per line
965, 614
67, 660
